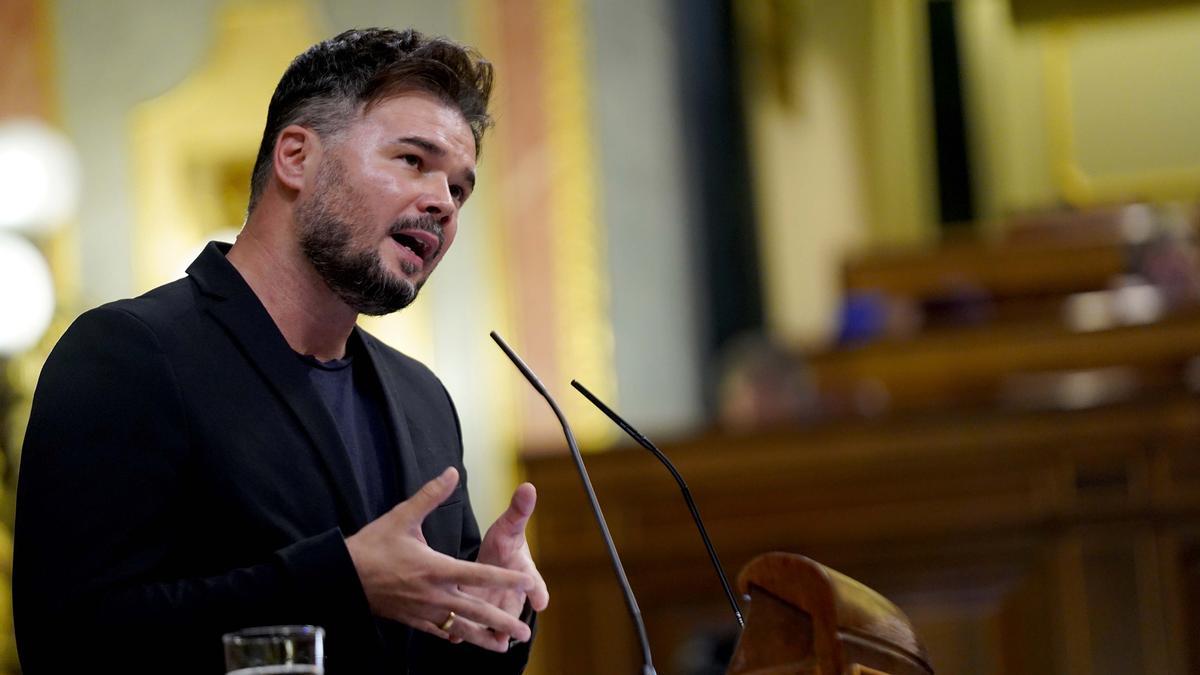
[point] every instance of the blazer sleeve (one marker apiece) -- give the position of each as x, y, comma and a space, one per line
103, 464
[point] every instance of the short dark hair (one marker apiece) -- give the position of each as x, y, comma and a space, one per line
325, 87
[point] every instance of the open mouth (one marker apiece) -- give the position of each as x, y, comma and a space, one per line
423, 244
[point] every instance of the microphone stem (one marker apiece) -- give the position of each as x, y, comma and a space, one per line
712, 555
687, 494
577, 456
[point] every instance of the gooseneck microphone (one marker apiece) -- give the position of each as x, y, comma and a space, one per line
630, 601
687, 494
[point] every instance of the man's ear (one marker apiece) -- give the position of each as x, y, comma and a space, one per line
297, 149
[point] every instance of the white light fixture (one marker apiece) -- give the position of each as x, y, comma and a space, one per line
39, 177
26, 295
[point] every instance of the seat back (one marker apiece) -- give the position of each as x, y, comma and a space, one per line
805, 618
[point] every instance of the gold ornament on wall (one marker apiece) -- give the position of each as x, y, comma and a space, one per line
1121, 105
194, 146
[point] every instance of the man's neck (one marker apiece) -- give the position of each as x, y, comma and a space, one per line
312, 318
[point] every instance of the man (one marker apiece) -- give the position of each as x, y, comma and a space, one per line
229, 450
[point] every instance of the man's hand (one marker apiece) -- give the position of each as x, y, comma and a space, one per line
409, 582
505, 546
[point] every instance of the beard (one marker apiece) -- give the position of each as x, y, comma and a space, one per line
357, 275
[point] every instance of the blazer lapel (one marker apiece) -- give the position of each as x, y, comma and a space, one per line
410, 473
248, 324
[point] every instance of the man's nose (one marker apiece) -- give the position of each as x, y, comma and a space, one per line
436, 199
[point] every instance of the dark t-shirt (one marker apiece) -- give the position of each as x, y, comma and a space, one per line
355, 400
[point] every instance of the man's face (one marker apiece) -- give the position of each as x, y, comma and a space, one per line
383, 207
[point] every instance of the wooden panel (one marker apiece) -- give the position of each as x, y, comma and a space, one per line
995, 532
1190, 573
1110, 582
1002, 270
970, 366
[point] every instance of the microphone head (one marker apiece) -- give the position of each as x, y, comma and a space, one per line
519, 363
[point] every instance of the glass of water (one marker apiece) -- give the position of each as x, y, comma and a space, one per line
274, 650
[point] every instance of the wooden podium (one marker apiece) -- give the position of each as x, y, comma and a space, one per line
804, 618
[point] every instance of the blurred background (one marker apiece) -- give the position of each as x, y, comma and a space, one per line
906, 286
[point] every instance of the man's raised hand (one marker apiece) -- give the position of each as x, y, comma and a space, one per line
409, 582
505, 546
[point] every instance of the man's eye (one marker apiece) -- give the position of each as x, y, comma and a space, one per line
411, 160
456, 192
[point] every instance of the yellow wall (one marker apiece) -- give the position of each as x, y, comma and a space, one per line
1081, 110
1004, 103
841, 146
807, 171
1070, 108
900, 154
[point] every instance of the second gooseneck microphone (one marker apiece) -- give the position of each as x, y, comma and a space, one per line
630, 601
687, 494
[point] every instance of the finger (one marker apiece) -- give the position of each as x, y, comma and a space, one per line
509, 601
433, 629
512, 603
465, 630
487, 616
431, 494
539, 597
465, 573
520, 508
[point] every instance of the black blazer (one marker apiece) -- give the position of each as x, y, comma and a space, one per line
180, 479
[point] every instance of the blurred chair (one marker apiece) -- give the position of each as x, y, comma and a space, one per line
805, 619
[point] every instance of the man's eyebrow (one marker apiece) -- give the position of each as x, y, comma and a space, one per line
424, 144
433, 149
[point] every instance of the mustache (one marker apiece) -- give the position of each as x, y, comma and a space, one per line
425, 223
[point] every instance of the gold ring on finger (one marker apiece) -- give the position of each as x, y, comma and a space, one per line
445, 625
